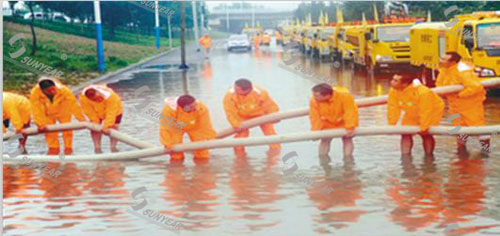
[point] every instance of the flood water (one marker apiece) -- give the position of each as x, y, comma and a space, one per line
377, 192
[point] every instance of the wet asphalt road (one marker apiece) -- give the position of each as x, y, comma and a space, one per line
377, 192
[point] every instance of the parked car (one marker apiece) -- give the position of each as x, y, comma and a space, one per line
238, 41
56, 16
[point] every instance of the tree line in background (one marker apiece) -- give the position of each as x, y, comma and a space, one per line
352, 9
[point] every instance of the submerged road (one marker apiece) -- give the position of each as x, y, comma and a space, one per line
377, 192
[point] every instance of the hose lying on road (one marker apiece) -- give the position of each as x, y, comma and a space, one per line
362, 102
254, 141
82, 125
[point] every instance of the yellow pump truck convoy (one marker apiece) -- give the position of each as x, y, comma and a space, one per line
321, 42
476, 37
383, 46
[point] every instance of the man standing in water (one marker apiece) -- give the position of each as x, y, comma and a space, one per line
333, 108
50, 102
421, 107
102, 105
468, 103
245, 101
206, 43
185, 115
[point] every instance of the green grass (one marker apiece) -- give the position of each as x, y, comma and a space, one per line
88, 31
80, 62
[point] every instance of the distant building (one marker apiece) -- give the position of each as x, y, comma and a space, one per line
267, 18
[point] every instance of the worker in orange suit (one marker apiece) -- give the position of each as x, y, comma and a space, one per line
277, 35
185, 115
333, 108
245, 101
256, 40
266, 39
50, 102
16, 110
102, 105
421, 107
206, 43
468, 103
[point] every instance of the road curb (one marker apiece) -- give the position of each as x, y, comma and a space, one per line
110, 75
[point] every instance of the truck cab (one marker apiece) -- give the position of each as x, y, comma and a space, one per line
310, 36
476, 37
321, 44
479, 44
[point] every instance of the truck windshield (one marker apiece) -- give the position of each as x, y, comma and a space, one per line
326, 33
394, 33
488, 35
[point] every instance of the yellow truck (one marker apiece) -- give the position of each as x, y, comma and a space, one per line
476, 37
309, 39
286, 34
383, 46
322, 42
348, 42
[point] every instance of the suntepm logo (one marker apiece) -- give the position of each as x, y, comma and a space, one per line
449, 10
456, 129
28, 62
151, 215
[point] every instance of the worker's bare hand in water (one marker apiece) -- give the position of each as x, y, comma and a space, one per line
349, 132
42, 128
424, 132
105, 130
237, 129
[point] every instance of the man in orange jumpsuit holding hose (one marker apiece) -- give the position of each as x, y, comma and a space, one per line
50, 102
243, 102
333, 108
421, 107
206, 43
102, 105
468, 103
185, 115
16, 110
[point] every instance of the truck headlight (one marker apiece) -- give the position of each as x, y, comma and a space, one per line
484, 72
383, 58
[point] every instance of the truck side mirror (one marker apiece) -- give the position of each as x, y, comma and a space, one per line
368, 36
469, 43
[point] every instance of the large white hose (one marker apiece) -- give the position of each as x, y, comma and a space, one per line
82, 125
254, 141
362, 102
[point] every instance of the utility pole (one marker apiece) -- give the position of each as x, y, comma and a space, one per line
253, 16
202, 19
100, 46
169, 32
157, 25
195, 24
183, 65
227, 20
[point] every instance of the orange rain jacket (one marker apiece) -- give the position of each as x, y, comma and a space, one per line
64, 104
339, 112
62, 107
256, 40
468, 102
266, 39
421, 106
277, 35
174, 122
17, 109
106, 110
205, 41
240, 108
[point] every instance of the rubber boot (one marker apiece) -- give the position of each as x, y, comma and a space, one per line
68, 151
53, 151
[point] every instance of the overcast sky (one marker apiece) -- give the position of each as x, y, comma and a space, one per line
279, 5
